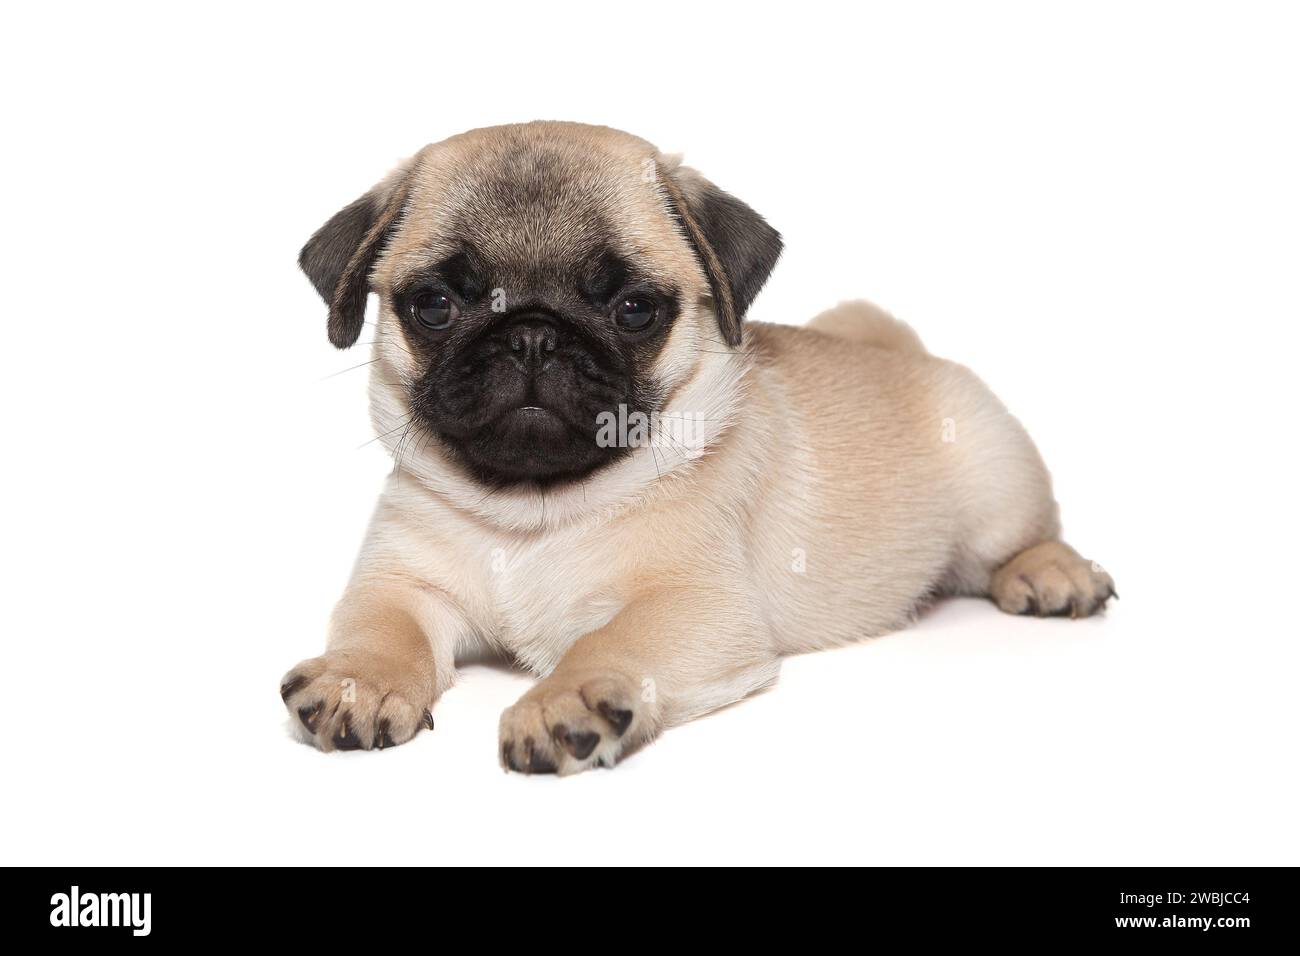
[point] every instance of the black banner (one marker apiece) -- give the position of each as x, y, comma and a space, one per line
1223, 907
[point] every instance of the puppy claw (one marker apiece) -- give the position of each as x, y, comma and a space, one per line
311, 715
535, 761
346, 738
291, 686
427, 717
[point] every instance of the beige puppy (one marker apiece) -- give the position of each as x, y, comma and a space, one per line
603, 474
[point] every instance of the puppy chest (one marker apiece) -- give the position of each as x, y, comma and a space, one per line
544, 598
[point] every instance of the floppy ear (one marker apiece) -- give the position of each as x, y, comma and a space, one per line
735, 245
339, 256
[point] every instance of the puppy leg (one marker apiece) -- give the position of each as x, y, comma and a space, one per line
1007, 543
664, 659
389, 657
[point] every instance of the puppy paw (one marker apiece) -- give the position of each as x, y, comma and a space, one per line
353, 700
566, 724
1052, 579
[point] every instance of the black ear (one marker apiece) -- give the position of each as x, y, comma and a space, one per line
339, 256
736, 246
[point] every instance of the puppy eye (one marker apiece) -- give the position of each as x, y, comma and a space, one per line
434, 310
634, 314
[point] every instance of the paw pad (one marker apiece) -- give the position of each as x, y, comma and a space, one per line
617, 718
579, 744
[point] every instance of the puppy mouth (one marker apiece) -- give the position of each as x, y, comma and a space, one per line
533, 418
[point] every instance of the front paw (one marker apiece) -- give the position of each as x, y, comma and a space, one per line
355, 700
566, 724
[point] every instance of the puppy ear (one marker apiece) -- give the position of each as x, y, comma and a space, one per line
339, 256
735, 245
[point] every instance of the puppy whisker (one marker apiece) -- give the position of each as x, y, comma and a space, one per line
350, 368
401, 447
406, 422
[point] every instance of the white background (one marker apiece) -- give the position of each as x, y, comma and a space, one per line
1096, 206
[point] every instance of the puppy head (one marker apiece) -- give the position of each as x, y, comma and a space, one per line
531, 278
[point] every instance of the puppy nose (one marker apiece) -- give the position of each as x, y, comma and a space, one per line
531, 340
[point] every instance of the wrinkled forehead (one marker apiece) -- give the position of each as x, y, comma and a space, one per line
533, 211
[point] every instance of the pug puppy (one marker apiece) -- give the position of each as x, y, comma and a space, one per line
602, 472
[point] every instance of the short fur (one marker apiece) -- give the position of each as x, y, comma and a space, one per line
840, 477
